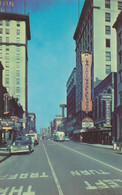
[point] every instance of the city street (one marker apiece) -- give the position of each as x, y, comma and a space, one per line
62, 168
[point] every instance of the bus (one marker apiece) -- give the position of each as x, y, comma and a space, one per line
59, 136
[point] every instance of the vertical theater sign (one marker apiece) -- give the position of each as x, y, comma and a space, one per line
86, 62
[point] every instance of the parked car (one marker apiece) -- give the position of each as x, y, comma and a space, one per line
22, 144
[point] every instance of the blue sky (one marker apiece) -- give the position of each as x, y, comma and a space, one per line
51, 55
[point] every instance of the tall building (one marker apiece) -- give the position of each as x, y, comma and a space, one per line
94, 32
71, 101
118, 112
14, 36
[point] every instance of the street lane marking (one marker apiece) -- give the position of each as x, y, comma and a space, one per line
103, 184
91, 158
88, 172
53, 173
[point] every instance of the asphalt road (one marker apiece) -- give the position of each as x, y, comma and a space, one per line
62, 168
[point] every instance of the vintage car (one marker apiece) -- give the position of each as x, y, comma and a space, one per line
22, 144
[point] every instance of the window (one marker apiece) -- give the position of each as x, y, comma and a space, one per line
18, 48
7, 73
0, 39
7, 48
18, 32
120, 76
18, 40
18, 57
107, 30
107, 42
1, 30
7, 39
107, 3
120, 57
120, 93
119, 5
17, 89
7, 23
18, 23
7, 64
0, 47
7, 81
17, 73
107, 17
108, 56
17, 81
7, 31
108, 69
120, 38
18, 64
1, 22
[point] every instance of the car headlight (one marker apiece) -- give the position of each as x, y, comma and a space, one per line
27, 146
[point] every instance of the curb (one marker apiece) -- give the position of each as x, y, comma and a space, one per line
1, 160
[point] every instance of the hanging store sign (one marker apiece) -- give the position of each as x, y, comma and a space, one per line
86, 62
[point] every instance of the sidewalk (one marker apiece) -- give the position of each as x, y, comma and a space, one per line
4, 153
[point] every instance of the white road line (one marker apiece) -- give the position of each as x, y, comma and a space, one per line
120, 170
53, 173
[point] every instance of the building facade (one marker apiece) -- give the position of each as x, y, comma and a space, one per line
14, 36
118, 112
105, 102
94, 32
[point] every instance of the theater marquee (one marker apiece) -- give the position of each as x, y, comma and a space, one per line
86, 62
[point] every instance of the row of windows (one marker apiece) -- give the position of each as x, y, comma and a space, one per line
7, 31
7, 23
7, 48
8, 39
7, 81
108, 4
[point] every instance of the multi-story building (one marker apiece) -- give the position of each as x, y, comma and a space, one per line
71, 101
94, 32
104, 105
118, 26
14, 36
32, 122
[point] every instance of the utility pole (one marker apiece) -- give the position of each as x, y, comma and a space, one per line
24, 6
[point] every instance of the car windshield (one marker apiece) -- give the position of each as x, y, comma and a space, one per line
21, 143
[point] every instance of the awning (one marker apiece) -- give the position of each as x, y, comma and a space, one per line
80, 131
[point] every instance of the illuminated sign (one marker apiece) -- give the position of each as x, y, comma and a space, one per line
6, 4
87, 123
107, 98
86, 62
